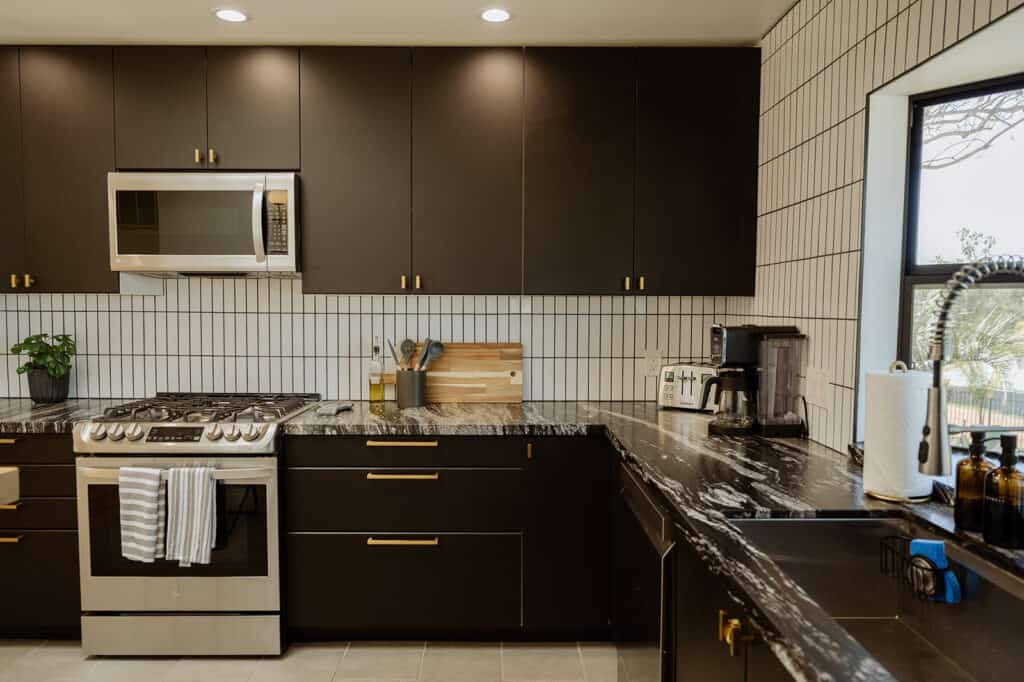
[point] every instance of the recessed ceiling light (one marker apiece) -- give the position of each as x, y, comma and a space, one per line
495, 15
234, 16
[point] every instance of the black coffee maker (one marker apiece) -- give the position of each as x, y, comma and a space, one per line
743, 354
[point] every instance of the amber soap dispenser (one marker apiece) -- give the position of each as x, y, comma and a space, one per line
969, 507
1004, 499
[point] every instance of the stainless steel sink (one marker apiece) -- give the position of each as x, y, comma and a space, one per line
837, 562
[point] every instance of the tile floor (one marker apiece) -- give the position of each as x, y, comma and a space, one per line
55, 661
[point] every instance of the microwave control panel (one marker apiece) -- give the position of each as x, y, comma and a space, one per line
277, 224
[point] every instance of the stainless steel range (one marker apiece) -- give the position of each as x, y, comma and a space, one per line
230, 606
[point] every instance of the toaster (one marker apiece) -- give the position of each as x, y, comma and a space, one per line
681, 386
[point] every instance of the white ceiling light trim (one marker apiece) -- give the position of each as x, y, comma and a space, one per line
231, 15
495, 15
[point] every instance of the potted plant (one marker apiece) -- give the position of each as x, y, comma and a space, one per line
48, 366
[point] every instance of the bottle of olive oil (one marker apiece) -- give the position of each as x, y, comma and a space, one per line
376, 373
968, 510
1004, 499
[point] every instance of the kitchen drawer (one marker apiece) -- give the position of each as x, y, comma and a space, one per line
40, 575
404, 500
405, 451
57, 513
338, 584
47, 480
36, 449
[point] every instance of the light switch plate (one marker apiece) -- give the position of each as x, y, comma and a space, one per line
652, 362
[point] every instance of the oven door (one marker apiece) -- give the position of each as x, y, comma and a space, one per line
243, 571
202, 222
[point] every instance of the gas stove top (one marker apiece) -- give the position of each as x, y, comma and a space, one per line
207, 423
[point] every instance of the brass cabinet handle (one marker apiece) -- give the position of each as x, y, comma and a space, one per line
626, 284
29, 280
529, 451
14, 281
401, 443
11, 539
8, 441
730, 631
405, 282
211, 154
641, 282
419, 282
397, 542
198, 155
10, 507
402, 477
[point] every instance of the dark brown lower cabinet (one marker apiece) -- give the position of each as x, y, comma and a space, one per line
403, 584
40, 572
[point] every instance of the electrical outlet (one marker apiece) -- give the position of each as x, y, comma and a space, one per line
654, 361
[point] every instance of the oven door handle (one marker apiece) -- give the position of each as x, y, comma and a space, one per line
97, 474
257, 223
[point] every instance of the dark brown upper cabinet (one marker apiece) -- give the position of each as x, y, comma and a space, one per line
253, 107
12, 218
467, 169
580, 130
160, 107
696, 184
67, 99
356, 117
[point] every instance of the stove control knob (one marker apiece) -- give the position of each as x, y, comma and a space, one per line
215, 433
98, 432
116, 432
255, 432
134, 432
232, 433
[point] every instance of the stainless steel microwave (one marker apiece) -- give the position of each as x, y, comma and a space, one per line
202, 222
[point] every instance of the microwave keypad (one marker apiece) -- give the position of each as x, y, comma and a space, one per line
277, 228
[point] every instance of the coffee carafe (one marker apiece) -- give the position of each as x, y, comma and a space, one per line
735, 400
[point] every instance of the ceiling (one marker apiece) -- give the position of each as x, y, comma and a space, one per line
382, 22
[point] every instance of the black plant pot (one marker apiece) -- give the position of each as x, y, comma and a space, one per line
43, 388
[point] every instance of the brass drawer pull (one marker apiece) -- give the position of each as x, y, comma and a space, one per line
419, 282
28, 280
385, 542
626, 284
730, 631
11, 540
642, 283
8, 441
402, 477
10, 507
14, 281
197, 155
401, 443
405, 282
211, 155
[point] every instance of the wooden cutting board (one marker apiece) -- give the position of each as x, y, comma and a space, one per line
476, 373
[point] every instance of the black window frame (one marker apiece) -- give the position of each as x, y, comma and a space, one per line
914, 275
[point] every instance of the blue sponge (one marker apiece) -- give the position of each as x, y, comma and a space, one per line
935, 551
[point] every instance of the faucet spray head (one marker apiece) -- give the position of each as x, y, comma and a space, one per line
935, 455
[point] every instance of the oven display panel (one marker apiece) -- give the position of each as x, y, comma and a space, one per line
175, 434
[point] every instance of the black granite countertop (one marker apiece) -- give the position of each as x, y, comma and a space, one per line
18, 415
709, 481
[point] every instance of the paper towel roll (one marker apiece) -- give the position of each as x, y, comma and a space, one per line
896, 403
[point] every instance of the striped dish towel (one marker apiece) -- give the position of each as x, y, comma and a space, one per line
143, 506
191, 515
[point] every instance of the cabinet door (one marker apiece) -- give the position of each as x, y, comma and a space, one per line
253, 107
467, 169
568, 537
356, 118
697, 170
700, 594
67, 99
12, 218
579, 170
41, 573
160, 107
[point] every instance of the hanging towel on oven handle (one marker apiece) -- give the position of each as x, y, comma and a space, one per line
191, 515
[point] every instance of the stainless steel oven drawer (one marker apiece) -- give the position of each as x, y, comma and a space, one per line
181, 635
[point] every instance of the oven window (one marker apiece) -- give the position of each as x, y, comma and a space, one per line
241, 548
184, 223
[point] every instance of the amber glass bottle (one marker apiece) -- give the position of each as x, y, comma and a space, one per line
969, 508
1004, 500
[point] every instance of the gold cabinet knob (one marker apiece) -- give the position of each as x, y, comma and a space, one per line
419, 282
405, 282
198, 155
641, 282
14, 281
211, 154
28, 280
626, 285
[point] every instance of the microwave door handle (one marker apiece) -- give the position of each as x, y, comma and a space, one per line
257, 223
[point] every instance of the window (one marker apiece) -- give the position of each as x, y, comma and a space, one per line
965, 201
